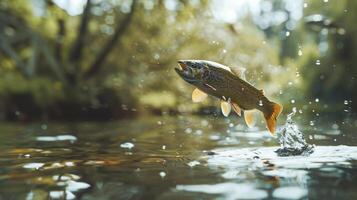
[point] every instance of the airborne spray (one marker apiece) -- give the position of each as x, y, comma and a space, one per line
292, 141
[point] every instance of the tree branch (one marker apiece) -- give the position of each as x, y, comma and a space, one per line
119, 31
77, 48
51, 60
32, 62
59, 40
5, 47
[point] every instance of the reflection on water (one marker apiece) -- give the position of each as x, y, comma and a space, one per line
229, 190
56, 138
171, 157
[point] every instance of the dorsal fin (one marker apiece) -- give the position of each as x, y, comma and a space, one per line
262, 91
239, 71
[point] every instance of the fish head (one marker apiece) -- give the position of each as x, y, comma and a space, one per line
192, 71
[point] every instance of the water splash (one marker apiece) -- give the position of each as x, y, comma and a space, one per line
292, 141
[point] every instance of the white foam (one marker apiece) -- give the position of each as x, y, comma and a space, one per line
233, 158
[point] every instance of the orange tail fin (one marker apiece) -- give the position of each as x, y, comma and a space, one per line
272, 116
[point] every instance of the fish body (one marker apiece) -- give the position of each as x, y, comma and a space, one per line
228, 85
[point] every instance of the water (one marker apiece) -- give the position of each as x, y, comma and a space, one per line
182, 158
291, 140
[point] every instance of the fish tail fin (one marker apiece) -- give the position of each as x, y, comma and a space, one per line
272, 116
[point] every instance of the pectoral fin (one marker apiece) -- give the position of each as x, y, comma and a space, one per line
249, 118
198, 95
226, 108
237, 109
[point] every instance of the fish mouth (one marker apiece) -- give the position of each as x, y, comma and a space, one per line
185, 71
182, 65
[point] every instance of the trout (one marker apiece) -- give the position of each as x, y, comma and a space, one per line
230, 86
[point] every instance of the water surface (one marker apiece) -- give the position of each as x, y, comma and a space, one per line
172, 158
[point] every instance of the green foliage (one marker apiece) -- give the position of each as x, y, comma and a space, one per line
51, 56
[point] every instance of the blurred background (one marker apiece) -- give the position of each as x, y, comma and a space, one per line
92, 108
101, 60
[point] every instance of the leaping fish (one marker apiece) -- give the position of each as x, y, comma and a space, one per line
230, 86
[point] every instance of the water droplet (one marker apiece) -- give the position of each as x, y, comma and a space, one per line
290, 83
17, 113
127, 145
317, 62
312, 123
163, 147
214, 137
198, 132
335, 126
188, 130
300, 111
311, 137
305, 5
193, 163
157, 56
280, 92
204, 123
231, 125
215, 42
317, 100
300, 52
162, 174
292, 101
345, 102
224, 51
287, 33
44, 126
325, 1
260, 103
294, 109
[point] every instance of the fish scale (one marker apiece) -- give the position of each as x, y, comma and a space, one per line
231, 87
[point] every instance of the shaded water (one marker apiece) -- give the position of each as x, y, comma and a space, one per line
172, 158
